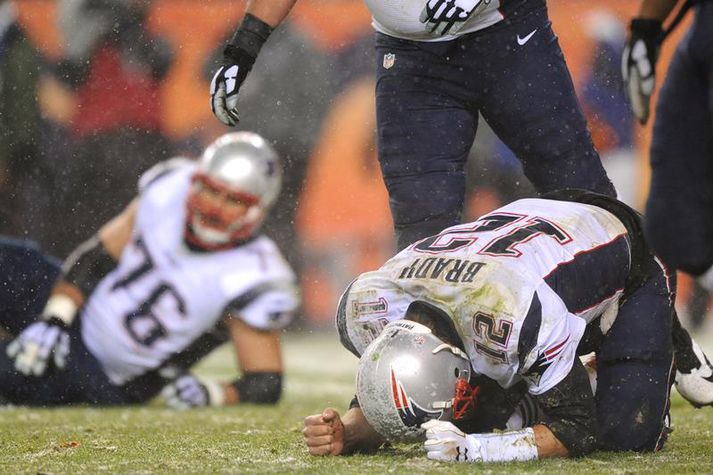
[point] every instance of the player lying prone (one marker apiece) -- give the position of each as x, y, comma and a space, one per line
470, 340
180, 271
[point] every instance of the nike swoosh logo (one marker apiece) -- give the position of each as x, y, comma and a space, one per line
522, 41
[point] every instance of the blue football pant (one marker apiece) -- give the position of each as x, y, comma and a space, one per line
635, 371
427, 113
679, 209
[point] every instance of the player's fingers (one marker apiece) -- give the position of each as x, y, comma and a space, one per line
323, 440
169, 392
314, 430
330, 415
12, 349
38, 368
219, 108
26, 358
320, 450
314, 419
438, 456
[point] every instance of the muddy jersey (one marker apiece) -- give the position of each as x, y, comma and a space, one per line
520, 285
163, 297
407, 19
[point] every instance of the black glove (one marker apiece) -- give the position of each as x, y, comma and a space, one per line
238, 59
639, 64
40, 345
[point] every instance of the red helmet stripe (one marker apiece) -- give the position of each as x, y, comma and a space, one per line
395, 390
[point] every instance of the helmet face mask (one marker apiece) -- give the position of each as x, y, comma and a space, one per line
237, 181
408, 376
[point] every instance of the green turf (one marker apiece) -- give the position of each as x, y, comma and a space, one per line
267, 440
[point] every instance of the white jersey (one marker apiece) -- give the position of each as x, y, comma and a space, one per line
162, 296
520, 285
402, 18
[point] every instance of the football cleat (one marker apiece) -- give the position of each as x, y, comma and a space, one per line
696, 384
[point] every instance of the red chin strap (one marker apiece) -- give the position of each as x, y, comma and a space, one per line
465, 398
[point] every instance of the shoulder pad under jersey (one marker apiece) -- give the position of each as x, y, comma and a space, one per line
162, 169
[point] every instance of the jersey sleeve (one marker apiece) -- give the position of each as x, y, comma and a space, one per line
547, 345
269, 306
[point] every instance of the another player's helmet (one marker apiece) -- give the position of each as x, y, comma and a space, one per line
408, 376
244, 167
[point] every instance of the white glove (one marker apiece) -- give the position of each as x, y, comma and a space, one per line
447, 443
224, 93
447, 16
639, 64
40, 344
188, 391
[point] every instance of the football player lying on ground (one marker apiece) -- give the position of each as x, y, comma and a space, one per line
513, 297
181, 270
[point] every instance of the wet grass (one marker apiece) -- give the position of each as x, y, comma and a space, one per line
255, 439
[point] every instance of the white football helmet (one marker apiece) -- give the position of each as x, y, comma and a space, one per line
408, 376
244, 167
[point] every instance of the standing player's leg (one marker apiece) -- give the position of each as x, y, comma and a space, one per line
681, 194
634, 371
424, 137
532, 107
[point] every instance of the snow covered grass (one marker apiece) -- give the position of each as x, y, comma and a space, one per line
255, 439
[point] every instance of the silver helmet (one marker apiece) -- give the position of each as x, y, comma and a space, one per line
408, 376
244, 167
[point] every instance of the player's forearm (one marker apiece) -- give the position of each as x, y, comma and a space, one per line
358, 434
254, 387
272, 12
548, 445
656, 9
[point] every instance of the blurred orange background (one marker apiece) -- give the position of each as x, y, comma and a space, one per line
351, 215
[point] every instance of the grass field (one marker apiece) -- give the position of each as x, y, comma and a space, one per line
268, 440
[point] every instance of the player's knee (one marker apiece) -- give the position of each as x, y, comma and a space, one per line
632, 403
260, 387
638, 438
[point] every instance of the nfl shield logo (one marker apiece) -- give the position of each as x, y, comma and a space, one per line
389, 59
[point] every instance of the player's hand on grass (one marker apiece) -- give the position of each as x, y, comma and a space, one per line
324, 433
40, 346
188, 391
446, 443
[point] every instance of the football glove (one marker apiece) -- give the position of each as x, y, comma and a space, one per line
226, 83
639, 64
39, 346
447, 443
238, 59
188, 392
447, 16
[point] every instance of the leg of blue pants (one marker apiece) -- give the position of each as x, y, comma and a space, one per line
533, 108
634, 371
26, 278
680, 203
425, 132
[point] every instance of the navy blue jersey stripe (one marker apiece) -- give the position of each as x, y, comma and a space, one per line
530, 329
592, 276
